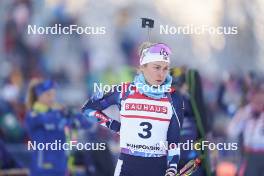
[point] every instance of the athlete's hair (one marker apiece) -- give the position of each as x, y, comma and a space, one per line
31, 94
143, 46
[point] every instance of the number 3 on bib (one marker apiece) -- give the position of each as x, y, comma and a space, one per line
147, 127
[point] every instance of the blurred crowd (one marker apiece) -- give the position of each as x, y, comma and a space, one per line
73, 62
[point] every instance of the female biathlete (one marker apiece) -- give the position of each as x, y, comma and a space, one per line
47, 122
150, 116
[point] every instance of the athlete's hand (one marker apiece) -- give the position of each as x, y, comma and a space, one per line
171, 171
96, 116
102, 118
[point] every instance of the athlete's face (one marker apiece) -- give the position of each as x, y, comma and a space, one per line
155, 72
48, 97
